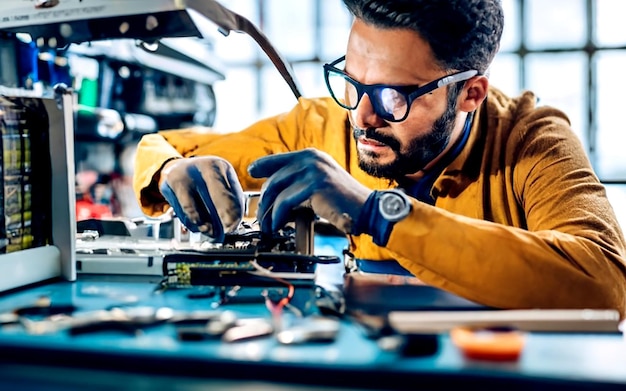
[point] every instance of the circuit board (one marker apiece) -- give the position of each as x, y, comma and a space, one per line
248, 258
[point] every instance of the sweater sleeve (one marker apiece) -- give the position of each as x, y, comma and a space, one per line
316, 123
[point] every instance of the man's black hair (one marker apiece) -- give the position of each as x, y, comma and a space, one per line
462, 34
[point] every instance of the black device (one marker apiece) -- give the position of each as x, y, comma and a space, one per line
251, 259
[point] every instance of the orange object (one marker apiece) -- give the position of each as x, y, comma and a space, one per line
489, 344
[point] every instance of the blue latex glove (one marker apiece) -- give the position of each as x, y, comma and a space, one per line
309, 178
205, 194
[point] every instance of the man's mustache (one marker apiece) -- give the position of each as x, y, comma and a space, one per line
373, 134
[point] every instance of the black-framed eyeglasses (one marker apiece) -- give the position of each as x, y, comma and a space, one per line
391, 103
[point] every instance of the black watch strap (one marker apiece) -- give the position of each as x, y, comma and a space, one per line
374, 222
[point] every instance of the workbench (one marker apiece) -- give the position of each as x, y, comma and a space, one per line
156, 358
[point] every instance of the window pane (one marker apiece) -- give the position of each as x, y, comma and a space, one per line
311, 78
505, 73
290, 27
611, 134
609, 23
555, 23
559, 81
335, 26
236, 97
238, 47
511, 35
617, 197
276, 96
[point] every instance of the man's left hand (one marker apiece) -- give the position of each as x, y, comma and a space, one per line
307, 178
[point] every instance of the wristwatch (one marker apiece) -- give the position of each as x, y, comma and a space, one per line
394, 205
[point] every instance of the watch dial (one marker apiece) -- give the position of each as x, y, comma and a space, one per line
393, 204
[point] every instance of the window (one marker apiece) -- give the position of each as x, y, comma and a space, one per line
307, 33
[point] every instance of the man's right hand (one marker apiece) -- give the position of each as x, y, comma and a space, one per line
205, 194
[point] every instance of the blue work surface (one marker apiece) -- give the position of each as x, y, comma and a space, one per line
155, 358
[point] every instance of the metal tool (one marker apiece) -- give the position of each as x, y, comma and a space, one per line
311, 329
247, 329
228, 328
129, 319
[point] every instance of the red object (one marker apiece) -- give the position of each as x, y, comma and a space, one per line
86, 209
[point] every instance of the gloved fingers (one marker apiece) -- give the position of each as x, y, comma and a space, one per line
307, 176
205, 207
187, 204
282, 209
266, 166
226, 193
269, 167
271, 212
206, 195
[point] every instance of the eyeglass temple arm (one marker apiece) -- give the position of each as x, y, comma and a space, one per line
228, 21
457, 77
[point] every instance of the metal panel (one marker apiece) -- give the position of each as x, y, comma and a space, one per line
57, 259
61, 114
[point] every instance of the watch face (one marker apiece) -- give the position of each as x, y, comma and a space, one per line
394, 206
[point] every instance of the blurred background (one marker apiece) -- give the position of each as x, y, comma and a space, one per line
572, 53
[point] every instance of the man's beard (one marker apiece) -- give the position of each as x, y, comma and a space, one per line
419, 152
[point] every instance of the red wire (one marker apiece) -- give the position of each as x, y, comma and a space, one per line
276, 308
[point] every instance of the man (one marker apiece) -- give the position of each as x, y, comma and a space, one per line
428, 169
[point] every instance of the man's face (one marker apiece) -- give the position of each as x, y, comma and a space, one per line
397, 57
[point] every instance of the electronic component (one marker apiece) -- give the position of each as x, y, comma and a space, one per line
238, 259
310, 329
228, 268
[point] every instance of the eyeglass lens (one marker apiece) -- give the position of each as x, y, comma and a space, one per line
387, 102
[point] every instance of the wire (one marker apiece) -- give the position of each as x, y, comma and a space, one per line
273, 305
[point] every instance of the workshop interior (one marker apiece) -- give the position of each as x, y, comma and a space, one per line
96, 295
